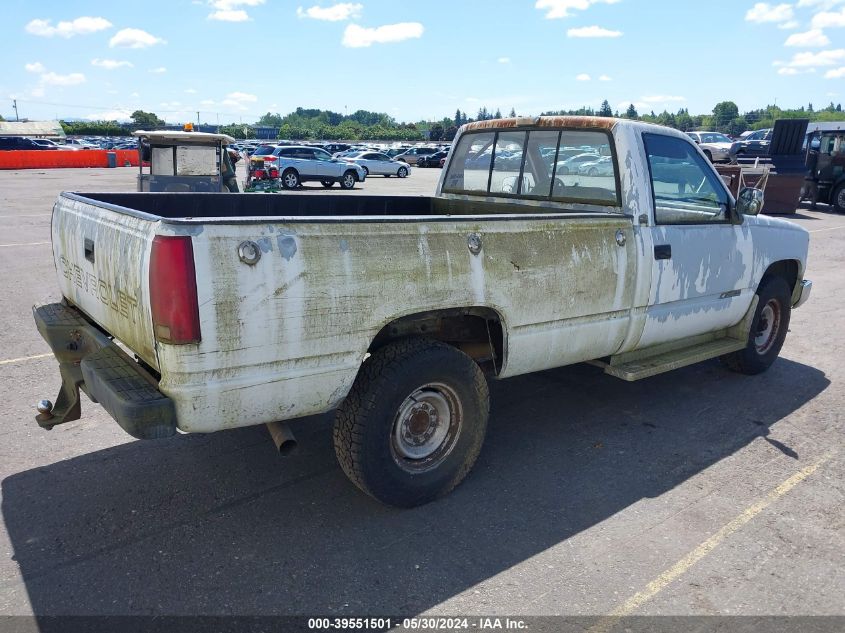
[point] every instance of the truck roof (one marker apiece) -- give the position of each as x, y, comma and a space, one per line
173, 136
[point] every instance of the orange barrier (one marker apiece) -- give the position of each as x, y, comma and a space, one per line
47, 159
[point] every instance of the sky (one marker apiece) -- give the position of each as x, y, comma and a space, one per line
234, 60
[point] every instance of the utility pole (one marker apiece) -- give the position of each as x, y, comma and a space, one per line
198, 121
15, 106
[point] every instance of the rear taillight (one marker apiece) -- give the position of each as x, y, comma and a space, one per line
173, 291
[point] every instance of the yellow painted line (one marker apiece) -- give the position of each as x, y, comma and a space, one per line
11, 361
24, 244
682, 566
832, 228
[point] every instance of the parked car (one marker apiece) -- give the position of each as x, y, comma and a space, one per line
601, 167
755, 144
80, 143
46, 143
20, 142
432, 160
375, 163
412, 155
716, 146
301, 163
570, 165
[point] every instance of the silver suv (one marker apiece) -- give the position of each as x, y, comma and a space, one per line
298, 164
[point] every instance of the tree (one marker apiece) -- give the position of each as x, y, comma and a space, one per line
498, 114
271, 120
604, 109
449, 134
512, 113
145, 120
436, 132
458, 120
631, 112
723, 114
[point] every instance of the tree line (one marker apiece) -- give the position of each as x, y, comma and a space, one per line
363, 125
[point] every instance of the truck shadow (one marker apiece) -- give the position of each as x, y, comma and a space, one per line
219, 524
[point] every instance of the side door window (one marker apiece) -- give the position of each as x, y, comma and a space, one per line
685, 188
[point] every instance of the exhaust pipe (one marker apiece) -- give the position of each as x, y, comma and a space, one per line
282, 437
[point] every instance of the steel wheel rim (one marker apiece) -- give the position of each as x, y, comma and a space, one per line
290, 180
426, 427
402, 172
767, 327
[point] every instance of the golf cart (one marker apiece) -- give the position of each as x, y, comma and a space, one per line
185, 161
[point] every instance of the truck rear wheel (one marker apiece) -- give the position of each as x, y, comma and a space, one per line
768, 329
838, 199
413, 424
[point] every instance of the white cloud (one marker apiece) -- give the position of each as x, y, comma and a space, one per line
792, 24
190, 91
359, 37
54, 79
605, 78
206, 102
582, 77
110, 64
592, 31
231, 15
827, 19
787, 71
765, 12
334, 13
35, 67
238, 100
663, 99
814, 38
810, 60
134, 38
79, 26
556, 9
135, 95
837, 73
229, 11
158, 71
504, 60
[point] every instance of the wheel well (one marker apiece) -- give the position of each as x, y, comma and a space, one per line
787, 269
476, 331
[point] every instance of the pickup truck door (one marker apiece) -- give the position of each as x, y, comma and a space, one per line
702, 263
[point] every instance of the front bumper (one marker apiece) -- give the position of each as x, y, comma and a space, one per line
803, 293
90, 361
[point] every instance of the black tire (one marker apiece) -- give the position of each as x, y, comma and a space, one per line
366, 171
290, 179
348, 180
373, 431
327, 183
708, 155
768, 329
592, 171
403, 172
837, 200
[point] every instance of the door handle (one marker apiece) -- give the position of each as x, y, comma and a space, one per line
663, 251
88, 246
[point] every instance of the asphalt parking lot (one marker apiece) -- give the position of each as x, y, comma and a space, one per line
697, 492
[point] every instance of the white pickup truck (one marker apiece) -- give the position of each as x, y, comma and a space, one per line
202, 312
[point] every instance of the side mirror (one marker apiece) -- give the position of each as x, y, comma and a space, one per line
750, 201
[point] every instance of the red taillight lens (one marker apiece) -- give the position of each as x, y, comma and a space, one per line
173, 291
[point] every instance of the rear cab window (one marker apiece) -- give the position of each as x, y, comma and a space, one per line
543, 164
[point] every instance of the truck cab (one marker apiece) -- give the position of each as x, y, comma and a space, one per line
825, 180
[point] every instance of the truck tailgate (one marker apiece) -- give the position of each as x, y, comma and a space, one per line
102, 261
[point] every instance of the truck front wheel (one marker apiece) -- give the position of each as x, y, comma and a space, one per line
413, 424
768, 329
